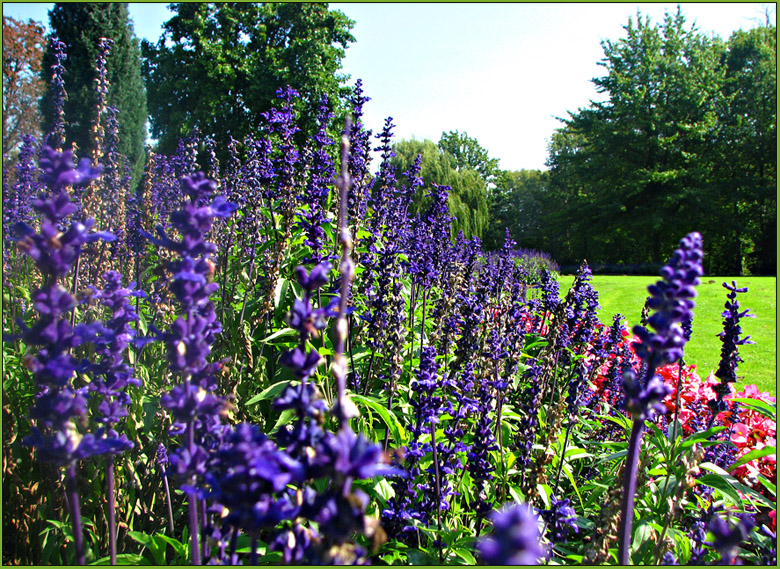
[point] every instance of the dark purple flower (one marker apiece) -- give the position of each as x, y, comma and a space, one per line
729, 353
728, 535
515, 539
59, 173
561, 520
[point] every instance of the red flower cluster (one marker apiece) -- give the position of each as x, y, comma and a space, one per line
753, 431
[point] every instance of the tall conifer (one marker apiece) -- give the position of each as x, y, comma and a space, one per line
80, 25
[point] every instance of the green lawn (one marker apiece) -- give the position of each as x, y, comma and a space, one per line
626, 295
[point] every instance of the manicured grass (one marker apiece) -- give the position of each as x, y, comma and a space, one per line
626, 295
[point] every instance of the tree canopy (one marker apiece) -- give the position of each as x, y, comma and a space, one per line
217, 67
22, 83
468, 154
684, 141
80, 26
468, 198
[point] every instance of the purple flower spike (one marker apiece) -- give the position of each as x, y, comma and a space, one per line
729, 536
561, 519
516, 539
314, 280
198, 187
671, 298
59, 173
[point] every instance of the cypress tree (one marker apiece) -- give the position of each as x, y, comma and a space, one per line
80, 25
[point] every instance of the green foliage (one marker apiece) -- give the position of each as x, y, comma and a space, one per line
468, 199
80, 25
217, 67
684, 139
468, 154
517, 203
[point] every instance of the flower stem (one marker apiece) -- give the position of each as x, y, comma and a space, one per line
111, 509
192, 502
75, 513
168, 499
438, 482
629, 491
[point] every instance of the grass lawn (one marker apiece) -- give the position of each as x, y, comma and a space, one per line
626, 295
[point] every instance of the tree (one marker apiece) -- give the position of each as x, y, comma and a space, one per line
518, 203
217, 67
746, 151
80, 25
22, 84
640, 168
468, 198
467, 154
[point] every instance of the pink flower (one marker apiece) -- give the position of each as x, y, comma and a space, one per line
739, 435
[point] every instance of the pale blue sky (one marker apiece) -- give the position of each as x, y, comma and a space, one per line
501, 72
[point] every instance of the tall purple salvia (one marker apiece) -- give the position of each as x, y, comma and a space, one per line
55, 250
312, 218
192, 403
281, 122
101, 91
515, 539
672, 300
56, 138
729, 352
25, 187
359, 158
111, 376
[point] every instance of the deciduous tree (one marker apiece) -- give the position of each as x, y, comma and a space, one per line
218, 66
22, 84
468, 198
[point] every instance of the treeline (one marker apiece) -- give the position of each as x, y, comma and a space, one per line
686, 139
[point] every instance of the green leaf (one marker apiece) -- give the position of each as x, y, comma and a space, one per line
766, 409
121, 559
729, 479
140, 537
391, 421
767, 484
269, 392
286, 417
717, 482
466, 555
700, 437
280, 333
613, 456
753, 454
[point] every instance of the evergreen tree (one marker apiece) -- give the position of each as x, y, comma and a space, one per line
80, 25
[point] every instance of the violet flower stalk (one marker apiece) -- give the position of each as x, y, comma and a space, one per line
56, 138
191, 336
58, 402
729, 353
110, 378
672, 300
516, 538
347, 272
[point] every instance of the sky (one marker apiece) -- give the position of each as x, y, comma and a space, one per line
500, 72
